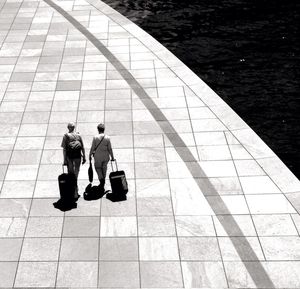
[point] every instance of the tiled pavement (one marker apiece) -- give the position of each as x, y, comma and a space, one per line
209, 206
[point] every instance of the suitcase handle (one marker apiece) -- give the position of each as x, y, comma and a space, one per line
111, 162
63, 168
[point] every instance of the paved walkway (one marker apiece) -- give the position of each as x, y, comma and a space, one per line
210, 205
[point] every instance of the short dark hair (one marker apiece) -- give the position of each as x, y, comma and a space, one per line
101, 127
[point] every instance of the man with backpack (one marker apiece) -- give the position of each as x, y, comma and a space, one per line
73, 150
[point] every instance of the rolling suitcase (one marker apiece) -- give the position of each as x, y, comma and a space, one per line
118, 182
67, 186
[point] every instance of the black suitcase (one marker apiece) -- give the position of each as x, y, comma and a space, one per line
119, 186
67, 186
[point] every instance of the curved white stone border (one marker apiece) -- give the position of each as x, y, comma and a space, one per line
267, 159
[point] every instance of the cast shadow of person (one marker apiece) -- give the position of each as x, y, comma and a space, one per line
96, 192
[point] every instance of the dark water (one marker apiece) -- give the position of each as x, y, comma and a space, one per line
247, 51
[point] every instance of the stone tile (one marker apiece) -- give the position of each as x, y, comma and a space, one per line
118, 115
146, 128
146, 170
188, 226
161, 275
38, 106
156, 226
294, 200
118, 93
296, 220
81, 227
41, 96
90, 116
188, 198
97, 104
223, 205
158, 249
68, 85
156, 206
12, 227
202, 125
29, 143
52, 157
79, 249
10, 117
239, 152
70, 75
40, 249
269, 204
3, 169
282, 274
235, 225
44, 208
202, 169
44, 227
220, 186
64, 105
46, 189
17, 189
128, 274
49, 172
259, 185
56, 129
10, 249
8, 273
274, 225
149, 155
7, 143
12, 106
77, 274
149, 188
111, 209
281, 248
248, 168
118, 227
33, 130
204, 275
14, 207
5, 157
154, 140
16, 96
118, 249
66, 95
62, 116
93, 84
9, 129
118, 104
199, 249
211, 153
21, 172
240, 248
36, 274
85, 208
28, 157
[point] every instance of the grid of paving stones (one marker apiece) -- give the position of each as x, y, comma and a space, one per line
209, 204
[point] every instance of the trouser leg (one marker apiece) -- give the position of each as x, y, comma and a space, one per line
101, 172
74, 167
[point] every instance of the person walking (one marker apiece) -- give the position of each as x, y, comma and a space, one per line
73, 151
101, 150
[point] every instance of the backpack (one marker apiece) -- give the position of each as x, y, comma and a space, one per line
74, 146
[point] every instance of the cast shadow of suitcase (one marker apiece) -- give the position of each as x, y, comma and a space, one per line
65, 204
